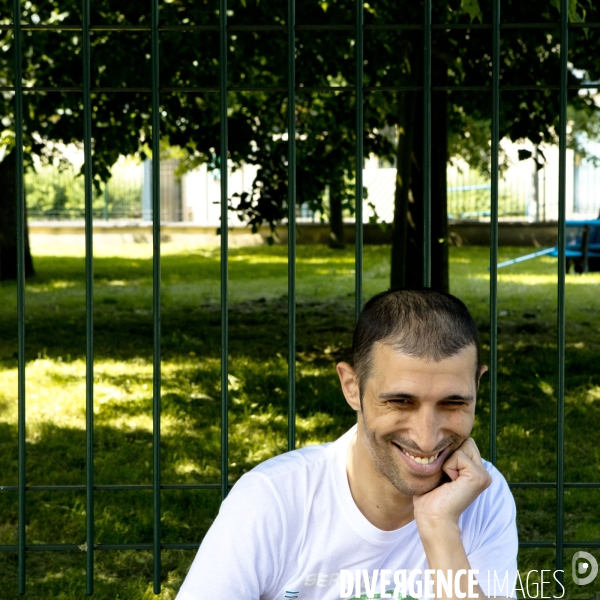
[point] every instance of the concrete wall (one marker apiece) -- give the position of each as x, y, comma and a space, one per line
510, 233
466, 233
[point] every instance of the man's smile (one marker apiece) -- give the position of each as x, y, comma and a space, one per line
423, 464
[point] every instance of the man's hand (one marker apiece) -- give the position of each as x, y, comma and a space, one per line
443, 506
437, 513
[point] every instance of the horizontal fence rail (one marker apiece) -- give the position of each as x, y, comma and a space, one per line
312, 27
292, 89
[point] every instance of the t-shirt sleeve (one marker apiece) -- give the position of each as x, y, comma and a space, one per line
493, 542
240, 556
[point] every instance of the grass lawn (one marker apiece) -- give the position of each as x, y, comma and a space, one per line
55, 348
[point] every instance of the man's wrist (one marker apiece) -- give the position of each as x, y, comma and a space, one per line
438, 531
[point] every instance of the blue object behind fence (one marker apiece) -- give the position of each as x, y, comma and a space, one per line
582, 251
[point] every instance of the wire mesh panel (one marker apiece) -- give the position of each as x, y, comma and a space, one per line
225, 96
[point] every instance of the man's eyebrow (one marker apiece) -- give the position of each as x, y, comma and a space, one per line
465, 397
390, 395
409, 396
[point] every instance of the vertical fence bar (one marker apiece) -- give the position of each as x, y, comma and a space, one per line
291, 116
89, 300
427, 143
224, 251
562, 192
494, 229
358, 260
156, 364
20, 199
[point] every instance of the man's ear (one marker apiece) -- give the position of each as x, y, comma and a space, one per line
482, 370
349, 383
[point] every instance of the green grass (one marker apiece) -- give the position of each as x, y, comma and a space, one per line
55, 351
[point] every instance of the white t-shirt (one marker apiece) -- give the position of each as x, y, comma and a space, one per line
290, 526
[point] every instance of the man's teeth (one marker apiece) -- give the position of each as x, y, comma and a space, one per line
421, 460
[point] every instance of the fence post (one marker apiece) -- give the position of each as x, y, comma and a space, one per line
224, 248
427, 143
20, 199
89, 299
291, 117
561, 323
494, 229
358, 215
156, 320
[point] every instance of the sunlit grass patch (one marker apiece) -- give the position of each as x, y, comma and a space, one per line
258, 392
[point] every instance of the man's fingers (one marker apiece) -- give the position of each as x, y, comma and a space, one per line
466, 461
457, 462
452, 473
469, 447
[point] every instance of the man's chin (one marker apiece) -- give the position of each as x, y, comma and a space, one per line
415, 485
429, 486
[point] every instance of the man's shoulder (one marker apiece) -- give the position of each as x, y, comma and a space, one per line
488, 525
302, 458
302, 468
499, 483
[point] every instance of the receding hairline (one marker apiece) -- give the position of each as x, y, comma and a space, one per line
420, 322
368, 363
425, 356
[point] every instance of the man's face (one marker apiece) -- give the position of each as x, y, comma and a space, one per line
415, 413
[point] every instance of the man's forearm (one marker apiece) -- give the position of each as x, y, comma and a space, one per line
445, 552
437, 514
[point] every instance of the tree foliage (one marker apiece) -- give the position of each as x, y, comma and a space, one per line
325, 120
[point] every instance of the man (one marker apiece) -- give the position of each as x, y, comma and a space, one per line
403, 492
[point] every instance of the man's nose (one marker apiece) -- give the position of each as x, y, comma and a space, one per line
426, 429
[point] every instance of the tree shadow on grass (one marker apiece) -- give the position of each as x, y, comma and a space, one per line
191, 408
123, 443
256, 329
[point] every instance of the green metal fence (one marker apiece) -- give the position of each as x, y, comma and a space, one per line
158, 485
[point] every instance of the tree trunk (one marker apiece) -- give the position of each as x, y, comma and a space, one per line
440, 278
407, 241
336, 221
8, 222
406, 102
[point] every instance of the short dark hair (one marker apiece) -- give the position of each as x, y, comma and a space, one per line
420, 322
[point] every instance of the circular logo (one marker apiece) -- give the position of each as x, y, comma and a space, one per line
584, 567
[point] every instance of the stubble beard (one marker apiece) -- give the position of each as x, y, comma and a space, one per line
382, 455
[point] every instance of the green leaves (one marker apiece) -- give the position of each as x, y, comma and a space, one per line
472, 8
574, 7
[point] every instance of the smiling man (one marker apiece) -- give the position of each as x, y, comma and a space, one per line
402, 505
